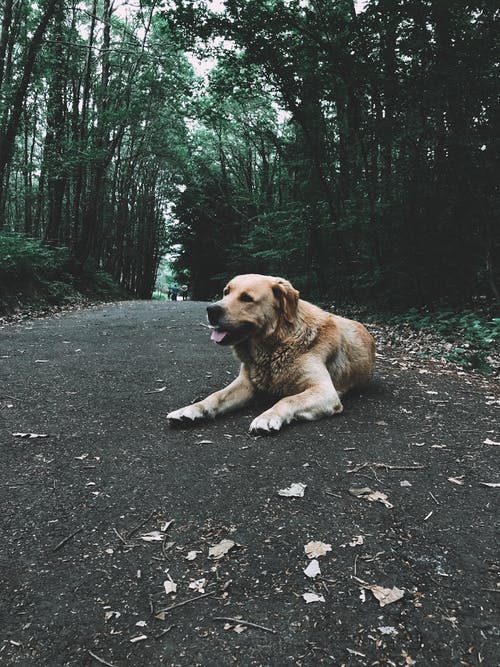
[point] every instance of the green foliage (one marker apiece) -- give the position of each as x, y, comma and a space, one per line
33, 275
473, 335
23, 258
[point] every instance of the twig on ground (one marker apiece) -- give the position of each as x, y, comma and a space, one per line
120, 537
67, 539
181, 604
434, 498
335, 495
315, 647
164, 632
385, 466
240, 621
134, 530
166, 546
101, 660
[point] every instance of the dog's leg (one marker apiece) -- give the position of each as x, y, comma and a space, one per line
320, 400
234, 396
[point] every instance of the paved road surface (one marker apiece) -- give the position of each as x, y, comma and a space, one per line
80, 585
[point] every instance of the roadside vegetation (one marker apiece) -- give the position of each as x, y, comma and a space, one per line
35, 279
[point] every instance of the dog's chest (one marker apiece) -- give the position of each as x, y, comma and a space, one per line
270, 370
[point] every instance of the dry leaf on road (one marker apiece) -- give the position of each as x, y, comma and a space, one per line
295, 490
169, 586
312, 597
221, 549
384, 595
30, 435
153, 536
316, 549
198, 585
372, 496
312, 570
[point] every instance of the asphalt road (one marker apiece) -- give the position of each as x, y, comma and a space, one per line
87, 554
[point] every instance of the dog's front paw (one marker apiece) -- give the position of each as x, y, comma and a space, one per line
266, 424
190, 413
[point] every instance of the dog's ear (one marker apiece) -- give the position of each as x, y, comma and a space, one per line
288, 298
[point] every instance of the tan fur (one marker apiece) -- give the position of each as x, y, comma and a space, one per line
302, 355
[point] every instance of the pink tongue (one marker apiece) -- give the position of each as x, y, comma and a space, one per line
218, 336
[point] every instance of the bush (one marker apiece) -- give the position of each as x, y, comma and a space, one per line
23, 258
473, 335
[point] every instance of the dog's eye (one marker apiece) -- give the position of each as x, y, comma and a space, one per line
246, 298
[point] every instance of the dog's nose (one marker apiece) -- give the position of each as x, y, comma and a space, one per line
214, 312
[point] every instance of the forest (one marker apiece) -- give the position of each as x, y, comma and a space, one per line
349, 146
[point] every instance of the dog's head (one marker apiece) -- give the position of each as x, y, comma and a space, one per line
252, 305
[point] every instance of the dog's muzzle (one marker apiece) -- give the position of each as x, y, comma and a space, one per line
215, 313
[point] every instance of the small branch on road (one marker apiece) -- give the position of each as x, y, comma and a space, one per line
67, 539
134, 530
240, 621
164, 632
165, 610
101, 660
120, 537
384, 466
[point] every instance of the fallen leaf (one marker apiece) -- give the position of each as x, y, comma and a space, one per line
156, 391
312, 570
153, 536
491, 442
388, 630
384, 595
140, 638
221, 549
30, 435
239, 628
295, 490
111, 614
492, 485
356, 541
192, 555
141, 624
312, 597
372, 496
457, 480
353, 652
165, 525
387, 595
198, 585
316, 549
169, 586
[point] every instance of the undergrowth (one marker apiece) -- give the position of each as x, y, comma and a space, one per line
474, 336
34, 275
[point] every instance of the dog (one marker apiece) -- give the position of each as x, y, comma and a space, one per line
289, 348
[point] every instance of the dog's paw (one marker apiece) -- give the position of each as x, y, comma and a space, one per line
266, 424
190, 413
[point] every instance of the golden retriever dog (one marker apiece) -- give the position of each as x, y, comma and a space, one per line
305, 357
